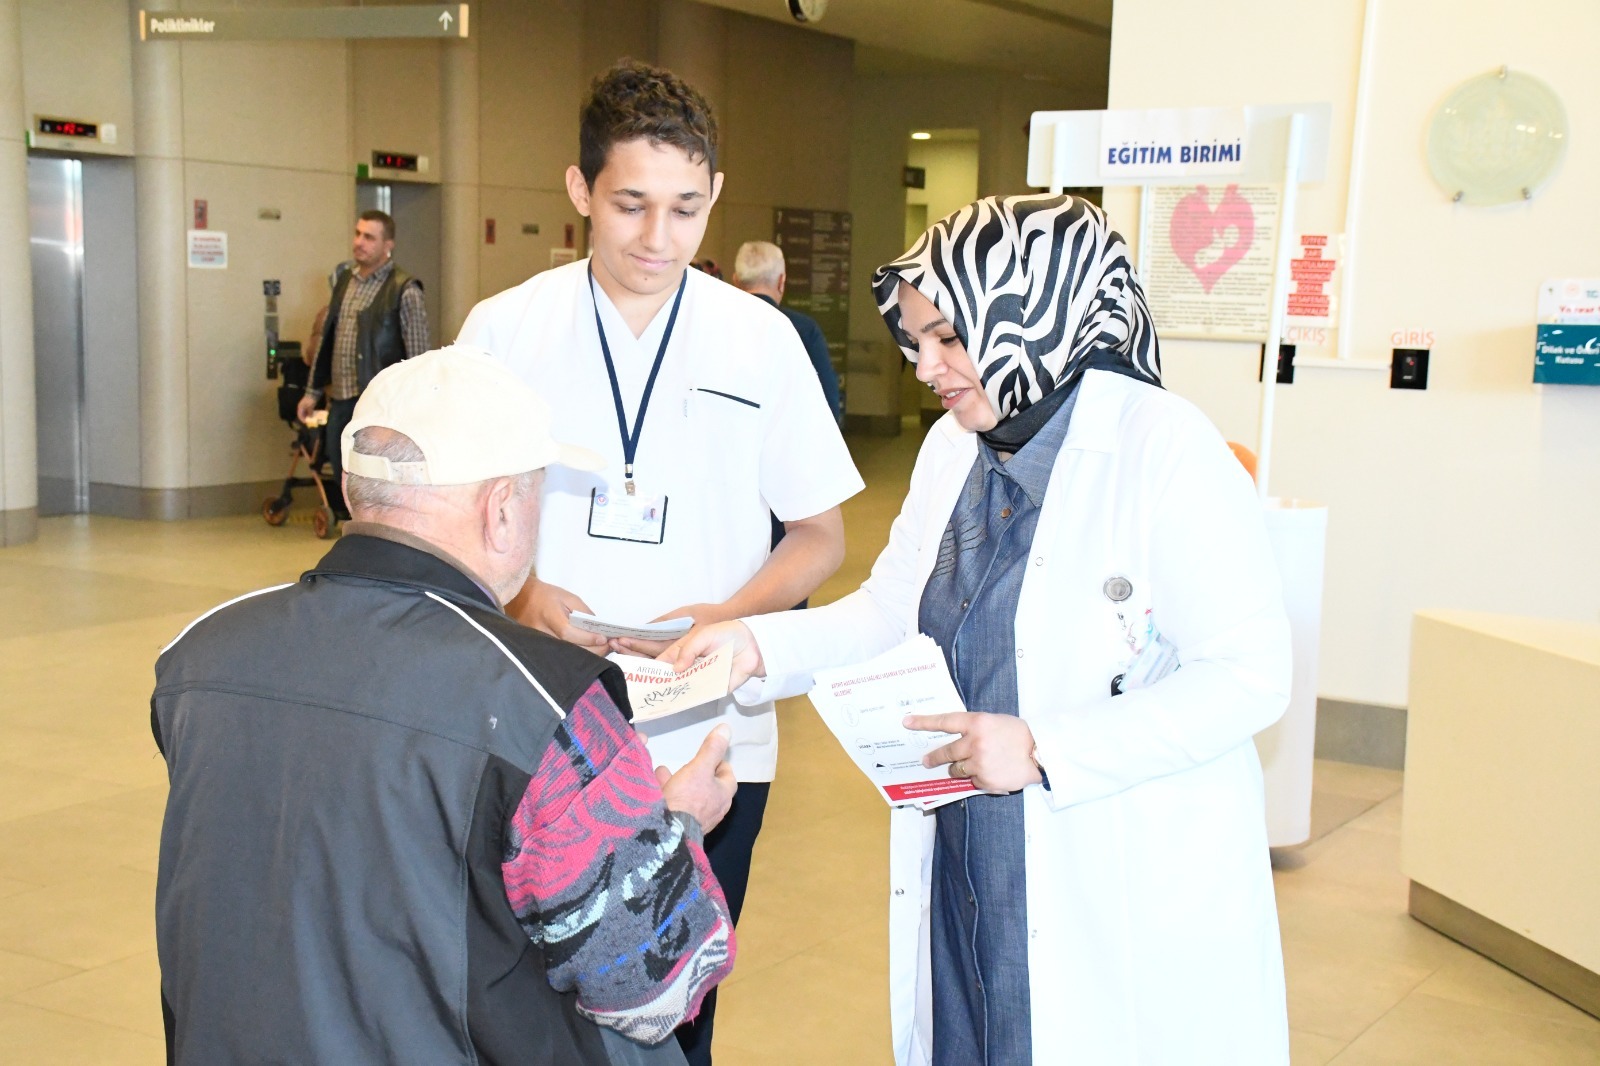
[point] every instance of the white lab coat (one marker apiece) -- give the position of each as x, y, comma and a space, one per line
1153, 932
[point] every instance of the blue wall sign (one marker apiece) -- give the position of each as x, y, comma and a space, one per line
1567, 355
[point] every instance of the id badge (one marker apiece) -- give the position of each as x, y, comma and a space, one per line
618, 516
1155, 660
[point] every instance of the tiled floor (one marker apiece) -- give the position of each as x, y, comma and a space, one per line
81, 792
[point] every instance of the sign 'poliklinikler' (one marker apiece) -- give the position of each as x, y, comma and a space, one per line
306, 23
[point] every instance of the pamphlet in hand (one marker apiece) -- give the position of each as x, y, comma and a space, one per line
864, 705
655, 690
671, 629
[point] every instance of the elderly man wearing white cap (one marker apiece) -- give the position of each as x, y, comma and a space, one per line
403, 828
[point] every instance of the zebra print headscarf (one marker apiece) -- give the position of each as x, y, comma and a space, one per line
1039, 289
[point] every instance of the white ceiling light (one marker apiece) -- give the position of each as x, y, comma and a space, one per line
922, 135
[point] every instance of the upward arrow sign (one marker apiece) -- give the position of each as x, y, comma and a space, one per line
444, 21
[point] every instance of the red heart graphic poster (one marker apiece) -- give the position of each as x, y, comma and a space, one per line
1209, 259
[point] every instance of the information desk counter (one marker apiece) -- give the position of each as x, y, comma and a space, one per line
1502, 793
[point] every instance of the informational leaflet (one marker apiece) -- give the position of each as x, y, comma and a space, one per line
864, 705
656, 690
1570, 302
208, 249
1211, 262
671, 629
1311, 305
1313, 274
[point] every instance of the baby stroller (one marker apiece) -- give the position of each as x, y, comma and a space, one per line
307, 447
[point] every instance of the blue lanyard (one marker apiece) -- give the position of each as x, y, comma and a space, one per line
630, 438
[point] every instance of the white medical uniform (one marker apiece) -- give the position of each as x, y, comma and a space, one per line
1153, 934
736, 426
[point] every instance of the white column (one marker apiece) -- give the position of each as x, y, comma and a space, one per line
460, 214
19, 467
162, 222
1280, 296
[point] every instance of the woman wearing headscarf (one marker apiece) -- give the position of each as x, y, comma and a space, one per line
1108, 898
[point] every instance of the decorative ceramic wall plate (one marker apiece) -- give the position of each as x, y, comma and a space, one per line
1497, 138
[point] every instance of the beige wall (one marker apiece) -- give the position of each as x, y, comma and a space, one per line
613, 29
394, 100
281, 126
786, 121
887, 108
266, 126
1479, 492
531, 81
233, 427
78, 64
951, 175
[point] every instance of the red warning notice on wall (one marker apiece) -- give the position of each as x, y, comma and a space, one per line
1311, 276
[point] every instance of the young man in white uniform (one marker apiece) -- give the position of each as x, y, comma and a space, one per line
705, 404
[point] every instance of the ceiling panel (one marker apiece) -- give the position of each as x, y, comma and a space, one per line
1065, 41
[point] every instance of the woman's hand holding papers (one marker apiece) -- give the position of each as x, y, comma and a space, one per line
703, 640
702, 614
995, 750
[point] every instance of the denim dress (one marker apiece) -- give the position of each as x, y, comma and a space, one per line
979, 934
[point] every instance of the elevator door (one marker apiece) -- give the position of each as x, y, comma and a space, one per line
55, 239
415, 210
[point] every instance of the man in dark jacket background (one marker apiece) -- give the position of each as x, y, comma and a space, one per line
759, 269
376, 317
403, 828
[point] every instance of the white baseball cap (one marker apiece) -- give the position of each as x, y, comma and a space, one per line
470, 415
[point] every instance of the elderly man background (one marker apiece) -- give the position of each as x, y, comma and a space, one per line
403, 828
759, 270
